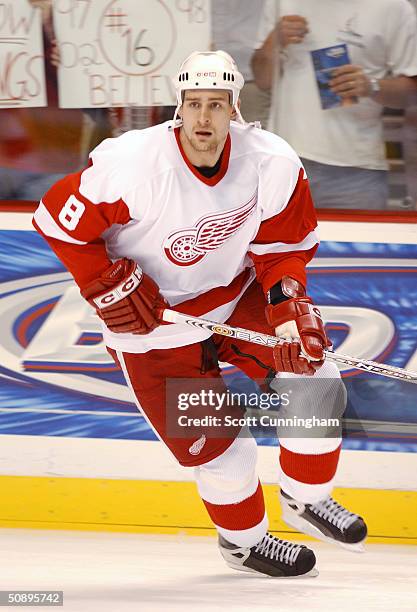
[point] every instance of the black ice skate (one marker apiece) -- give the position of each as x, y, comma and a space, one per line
270, 556
326, 520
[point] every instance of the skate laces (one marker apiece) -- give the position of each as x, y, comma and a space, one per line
286, 552
333, 512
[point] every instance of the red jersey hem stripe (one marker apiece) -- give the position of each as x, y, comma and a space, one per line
208, 301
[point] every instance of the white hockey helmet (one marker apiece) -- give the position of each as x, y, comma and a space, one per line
209, 70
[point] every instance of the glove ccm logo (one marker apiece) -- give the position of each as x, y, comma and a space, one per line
129, 286
108, 299
120, 291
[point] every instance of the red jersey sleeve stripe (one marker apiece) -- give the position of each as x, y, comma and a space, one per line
84, 261
282, 247
295, 222
77, 216
271, 267
43, 221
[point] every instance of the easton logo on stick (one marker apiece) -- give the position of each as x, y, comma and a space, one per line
224, 331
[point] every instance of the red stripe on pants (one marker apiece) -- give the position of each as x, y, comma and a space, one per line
242, 515
309, 469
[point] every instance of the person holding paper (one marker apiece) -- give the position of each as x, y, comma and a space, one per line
39, 145
340, 143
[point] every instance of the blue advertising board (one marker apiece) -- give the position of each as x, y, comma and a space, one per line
57, 379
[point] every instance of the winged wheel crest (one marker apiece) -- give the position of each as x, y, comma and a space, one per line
188, 246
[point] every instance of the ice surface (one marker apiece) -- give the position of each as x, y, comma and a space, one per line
133, 572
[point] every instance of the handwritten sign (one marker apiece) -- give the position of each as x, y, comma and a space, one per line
124, 52
22, 79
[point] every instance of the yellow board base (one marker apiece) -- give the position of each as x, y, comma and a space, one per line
170, 507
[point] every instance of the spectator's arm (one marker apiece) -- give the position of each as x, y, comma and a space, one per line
397, 92
289, 30
399, 88
263, 61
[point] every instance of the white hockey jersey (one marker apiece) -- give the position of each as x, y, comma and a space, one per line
202, 240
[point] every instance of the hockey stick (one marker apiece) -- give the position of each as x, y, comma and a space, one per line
171, 316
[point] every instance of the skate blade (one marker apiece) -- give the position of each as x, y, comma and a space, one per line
358, 547
313, 573
304, 526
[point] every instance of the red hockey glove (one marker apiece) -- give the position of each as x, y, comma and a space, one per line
125, 298
300, 321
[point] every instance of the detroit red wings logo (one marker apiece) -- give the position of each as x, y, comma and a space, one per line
188, 246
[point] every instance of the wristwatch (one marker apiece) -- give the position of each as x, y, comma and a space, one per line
375, 86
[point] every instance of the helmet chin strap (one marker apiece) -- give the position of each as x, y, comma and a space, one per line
176, 121
241, 120
239, 117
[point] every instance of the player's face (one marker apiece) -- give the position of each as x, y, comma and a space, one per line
206, 115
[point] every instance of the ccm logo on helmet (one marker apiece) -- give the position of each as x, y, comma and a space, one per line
121, 291
206, 74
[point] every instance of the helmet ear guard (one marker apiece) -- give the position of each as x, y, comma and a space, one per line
209, 70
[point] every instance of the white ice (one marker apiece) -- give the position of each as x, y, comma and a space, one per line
130, 572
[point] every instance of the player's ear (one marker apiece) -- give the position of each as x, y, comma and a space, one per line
234, 113
179, 113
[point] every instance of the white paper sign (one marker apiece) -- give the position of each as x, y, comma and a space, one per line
124, 52
22, 74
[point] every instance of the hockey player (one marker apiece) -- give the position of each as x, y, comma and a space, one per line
214, 217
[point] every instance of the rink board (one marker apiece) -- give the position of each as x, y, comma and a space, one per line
62, 400
57, 379
138, 487
174, 507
